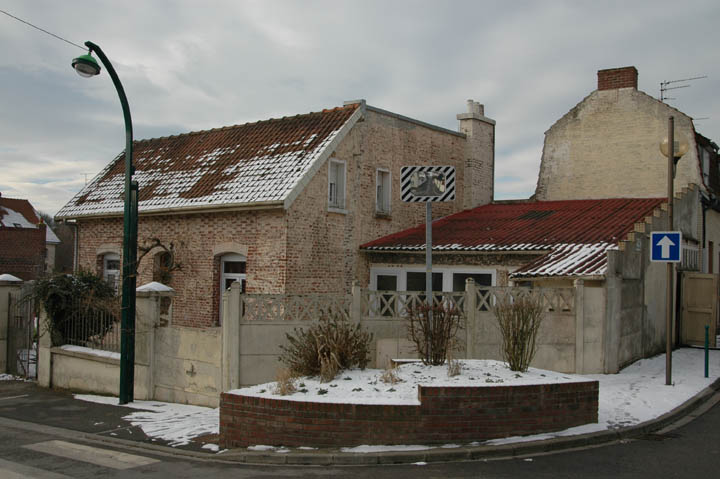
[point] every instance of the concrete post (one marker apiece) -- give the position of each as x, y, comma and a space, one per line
147, 319
613, 312
44, 356
356, 307
231, 337
579, 326
6, 287
470, 317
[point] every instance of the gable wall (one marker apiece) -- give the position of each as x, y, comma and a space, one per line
22, 252
323, 246
608, 147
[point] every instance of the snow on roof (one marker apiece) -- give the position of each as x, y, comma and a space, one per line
238, 165
18, 213
573, 236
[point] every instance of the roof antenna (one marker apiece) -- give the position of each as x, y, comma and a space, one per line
664, 86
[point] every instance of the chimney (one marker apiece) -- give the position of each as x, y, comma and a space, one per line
479, 168
614, 78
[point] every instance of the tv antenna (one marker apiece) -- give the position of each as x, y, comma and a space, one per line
664, 86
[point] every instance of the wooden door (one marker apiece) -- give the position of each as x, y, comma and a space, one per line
699, 308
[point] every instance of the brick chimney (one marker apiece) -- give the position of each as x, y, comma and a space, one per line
613, 78
479, 155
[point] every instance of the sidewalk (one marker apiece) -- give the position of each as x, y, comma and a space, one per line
168, 428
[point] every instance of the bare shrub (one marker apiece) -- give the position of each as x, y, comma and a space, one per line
445, 325
326, 348
285, 382
519, 319
453, 366
390, 376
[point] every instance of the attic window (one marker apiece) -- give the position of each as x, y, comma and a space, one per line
17, 225
536, 215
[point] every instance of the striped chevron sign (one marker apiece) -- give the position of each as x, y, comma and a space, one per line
427, 183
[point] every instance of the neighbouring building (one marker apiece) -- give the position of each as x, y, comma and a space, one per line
607, 146
27, 245
280, 205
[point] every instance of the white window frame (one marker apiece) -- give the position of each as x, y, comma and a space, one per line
447, 272
112, 276
383, 191
228, 258
337, 191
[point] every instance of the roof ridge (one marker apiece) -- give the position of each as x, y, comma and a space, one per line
238, 125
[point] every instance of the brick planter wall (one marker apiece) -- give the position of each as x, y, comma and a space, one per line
446, 414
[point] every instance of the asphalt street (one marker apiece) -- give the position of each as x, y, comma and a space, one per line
47, 448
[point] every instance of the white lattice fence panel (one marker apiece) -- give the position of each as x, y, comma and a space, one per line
397, 304
554, 299
299, 307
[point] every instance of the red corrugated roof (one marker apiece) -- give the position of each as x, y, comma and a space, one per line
529, 224
577, 233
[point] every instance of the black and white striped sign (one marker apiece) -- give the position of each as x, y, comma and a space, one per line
427, 183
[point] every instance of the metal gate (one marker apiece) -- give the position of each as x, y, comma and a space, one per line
22, 334
699, 308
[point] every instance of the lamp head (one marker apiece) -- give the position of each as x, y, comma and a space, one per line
680, 146
86, 65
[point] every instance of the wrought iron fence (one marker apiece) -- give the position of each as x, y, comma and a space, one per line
90, 327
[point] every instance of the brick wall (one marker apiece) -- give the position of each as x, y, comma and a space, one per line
22, 252
446, 414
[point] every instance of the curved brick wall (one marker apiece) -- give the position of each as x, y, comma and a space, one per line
446, 414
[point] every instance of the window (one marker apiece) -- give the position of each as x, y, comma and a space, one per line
162, 266
387, 282
336, 184
232, 268
111, 269
382, 198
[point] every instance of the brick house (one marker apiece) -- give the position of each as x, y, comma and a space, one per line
281, 205
27, 245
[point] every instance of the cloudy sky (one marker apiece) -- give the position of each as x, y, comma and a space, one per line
190, 65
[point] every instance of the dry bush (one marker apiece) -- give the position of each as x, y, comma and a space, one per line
519, 319
389, 376
453, 366
445, 325
326, 348
285, 382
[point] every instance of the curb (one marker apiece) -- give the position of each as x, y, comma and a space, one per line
679, 416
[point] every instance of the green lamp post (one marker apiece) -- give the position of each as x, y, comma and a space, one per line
87, 66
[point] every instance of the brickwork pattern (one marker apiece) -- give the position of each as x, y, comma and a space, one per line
446, 414
22, 252
610, 79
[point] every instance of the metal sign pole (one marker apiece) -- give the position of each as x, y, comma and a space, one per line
428, 276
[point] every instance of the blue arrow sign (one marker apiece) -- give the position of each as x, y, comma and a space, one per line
666, 246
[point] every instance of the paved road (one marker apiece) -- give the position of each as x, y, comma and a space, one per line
36, 451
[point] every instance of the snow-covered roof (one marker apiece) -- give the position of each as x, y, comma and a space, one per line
572, 237
243, 165
19, 213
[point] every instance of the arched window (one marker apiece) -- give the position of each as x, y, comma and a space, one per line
111, 269
232, 268
162, 264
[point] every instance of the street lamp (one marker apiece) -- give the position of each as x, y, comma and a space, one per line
87, 66
674, 150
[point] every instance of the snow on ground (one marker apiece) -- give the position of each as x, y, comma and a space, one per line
635, 395
367, 386
176, 423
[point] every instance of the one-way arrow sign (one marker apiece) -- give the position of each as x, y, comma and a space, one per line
666, 246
